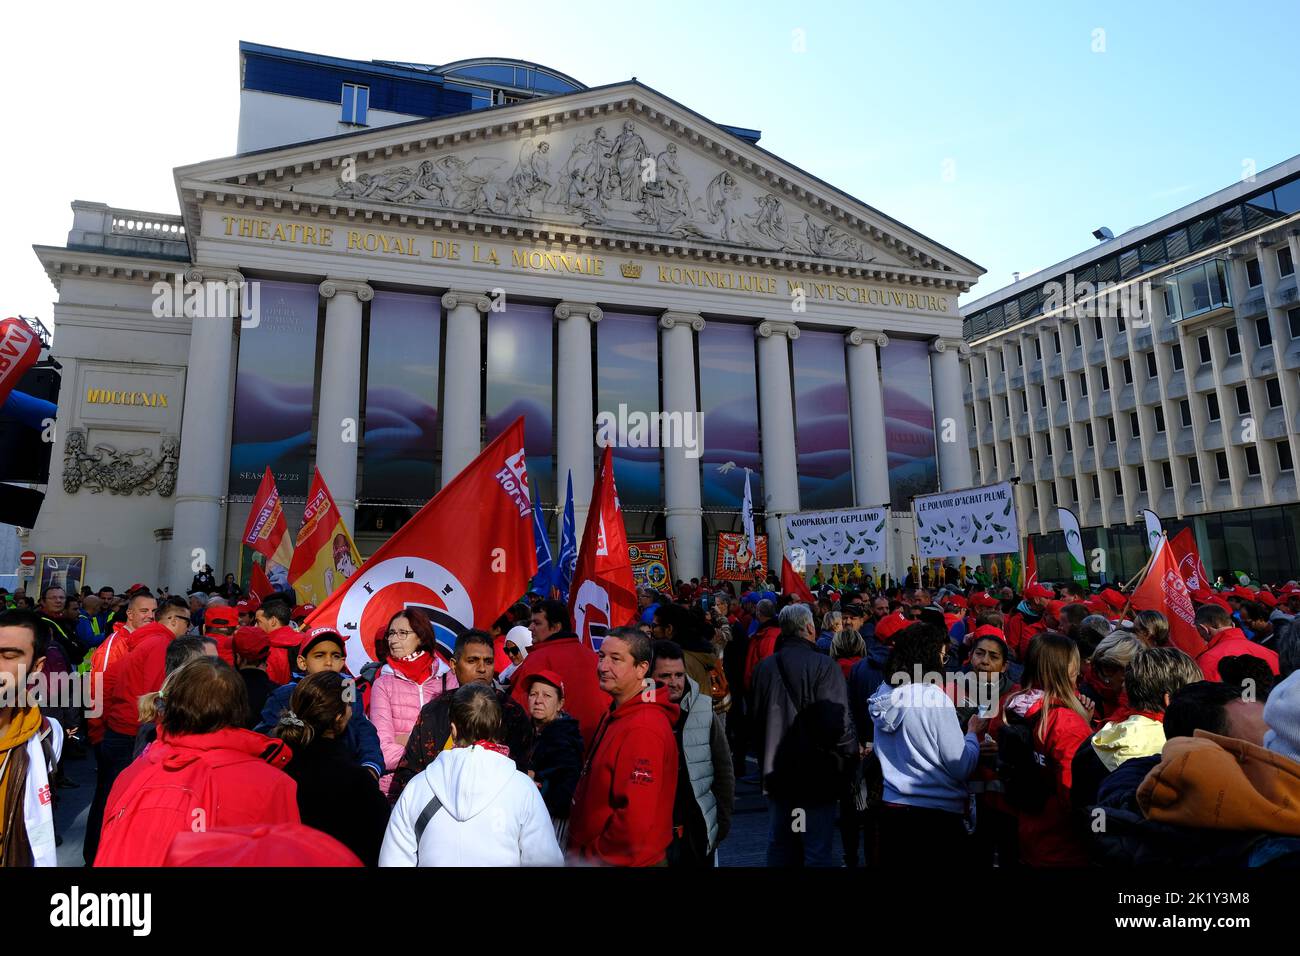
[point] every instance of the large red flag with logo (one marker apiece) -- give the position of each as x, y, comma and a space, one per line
19, 350
603, 593
1164, 590
792, 583
267, 533
1189, 560
1031, 566
463, 558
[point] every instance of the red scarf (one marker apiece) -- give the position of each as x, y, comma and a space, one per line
417, 668
502, 749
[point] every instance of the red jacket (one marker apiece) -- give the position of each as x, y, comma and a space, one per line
623, 806
761, 645
140, 672
575, 662
1021, 631
283, 658
104, 663
1231, 642
230, 778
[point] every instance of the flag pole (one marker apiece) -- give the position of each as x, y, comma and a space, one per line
1132, 582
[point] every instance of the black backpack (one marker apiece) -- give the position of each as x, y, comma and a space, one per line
1022, 768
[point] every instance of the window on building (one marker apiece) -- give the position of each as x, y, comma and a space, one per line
1203, 343
1293, 320
1193, 471
1038, 349
1221, 465
1234, 340
1064, 396
1083, 384
1087, 432
1167, 473
1096, 488
1212, 407
1153, 370
1119, 322
1105, 379
970, 372
1284, 264
1024, 402
1128, 372
1134, 425
1243, 400
1074, 490
1020, 356
1178, 358
1055, 497
970, 417
1284, 462
1160, 419
1185, 412
1253, 277
1078, 335
1110, 430
356, 101
1069, 440
1096, 327
1263, 333
1042, 395
989, 409
1252, 460
1274, 388
1056, 340
1006, 408
1119, 482
1047, 443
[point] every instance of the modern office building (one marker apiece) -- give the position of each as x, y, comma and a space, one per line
1159, 369
401, 259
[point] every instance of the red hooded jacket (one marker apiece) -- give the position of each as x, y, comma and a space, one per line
761, 645
229, 778
575, 662
623, 806
104, 662
1231, 642
280, 663
1021, 631
140, 672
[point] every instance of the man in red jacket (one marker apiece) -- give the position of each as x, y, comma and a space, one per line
1028, 620
623, 806
145, 665
557, 648
273, 617
1223, 640
763, 643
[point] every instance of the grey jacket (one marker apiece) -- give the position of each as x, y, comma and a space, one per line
814, 760
708, 762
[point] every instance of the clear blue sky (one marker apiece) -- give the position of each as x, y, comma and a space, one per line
994, 128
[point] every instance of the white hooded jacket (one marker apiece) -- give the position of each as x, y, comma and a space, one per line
491, 815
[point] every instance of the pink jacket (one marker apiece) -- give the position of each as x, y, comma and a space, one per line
395, 703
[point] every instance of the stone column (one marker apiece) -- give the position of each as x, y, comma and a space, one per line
462, 413
682, 464
338, 421
945, 379
776, 422
203, 471
867, 423
575, 415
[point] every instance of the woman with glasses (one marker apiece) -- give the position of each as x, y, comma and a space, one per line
412, 675
518, 641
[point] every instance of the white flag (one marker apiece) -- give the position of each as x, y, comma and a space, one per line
1155, 530
747, 517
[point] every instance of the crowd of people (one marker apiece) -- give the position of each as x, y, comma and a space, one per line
883, 725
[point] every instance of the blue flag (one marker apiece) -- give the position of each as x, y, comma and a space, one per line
568, 547
542, 542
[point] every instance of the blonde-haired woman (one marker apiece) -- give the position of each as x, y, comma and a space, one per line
832, 624
1039, 730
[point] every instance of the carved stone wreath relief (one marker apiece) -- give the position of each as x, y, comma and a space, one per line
104, 468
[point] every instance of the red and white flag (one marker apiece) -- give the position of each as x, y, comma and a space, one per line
267, 533
1189, 560
603, 593
19, 350
1164, 590
463, 558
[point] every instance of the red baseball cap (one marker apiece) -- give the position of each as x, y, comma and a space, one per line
1042, 591
1112, 597
891, 624
1054, 608
1267, 599
984, 599
988, 630
1245, 593
220, 617
546, 677
252, 644
956, 600
318, 634
1219, 602
285, 844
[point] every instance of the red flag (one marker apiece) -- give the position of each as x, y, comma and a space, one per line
259, 585
463, 558
266, 531
1189, 560
1031, 565
603, 594
324, 555
19, 350
792, 583
1164, 590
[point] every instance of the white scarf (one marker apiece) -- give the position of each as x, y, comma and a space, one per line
38, 801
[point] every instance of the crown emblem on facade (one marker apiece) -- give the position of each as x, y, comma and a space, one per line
630, 270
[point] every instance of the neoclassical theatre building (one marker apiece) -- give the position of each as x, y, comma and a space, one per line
401, 259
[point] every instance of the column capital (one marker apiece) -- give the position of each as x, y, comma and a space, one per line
670, 319
200, 273
941, 345
863, 336
454, 297
567, 310
332, 287
767, 329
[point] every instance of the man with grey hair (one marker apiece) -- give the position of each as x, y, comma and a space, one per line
198, 604
1093, 629
807, 745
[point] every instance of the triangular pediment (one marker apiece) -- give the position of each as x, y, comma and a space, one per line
615, 164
